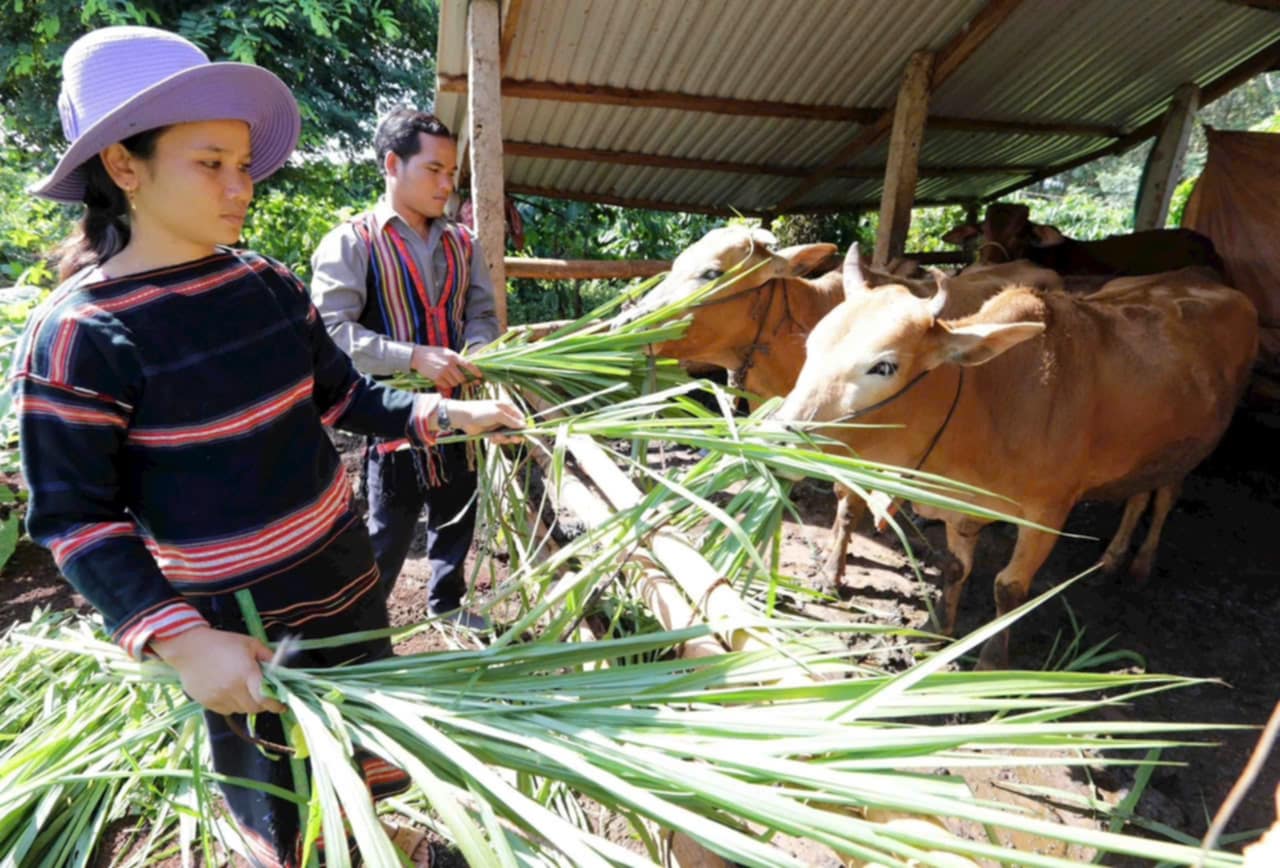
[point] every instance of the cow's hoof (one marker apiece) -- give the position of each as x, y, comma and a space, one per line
1140, 569
1109, 564
994, 656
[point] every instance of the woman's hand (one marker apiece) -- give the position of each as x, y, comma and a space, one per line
473, 417
220, 670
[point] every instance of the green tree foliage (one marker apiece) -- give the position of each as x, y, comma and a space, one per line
343, 59
300, 204
561, 229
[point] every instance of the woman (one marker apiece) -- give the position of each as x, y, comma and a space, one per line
172, 393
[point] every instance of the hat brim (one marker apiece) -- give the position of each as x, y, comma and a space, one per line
215, 91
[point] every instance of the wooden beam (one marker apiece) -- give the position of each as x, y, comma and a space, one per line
971, 37
1164, 163
939, 257
956, 51
1266, 5
598, 94
630, 202
540, 151
865, 138
509, 25
859, 207
1024, 128
584, 269
484, 116
634, 158
910, 109
1254, 65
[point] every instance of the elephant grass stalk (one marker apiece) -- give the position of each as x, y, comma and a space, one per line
726, 749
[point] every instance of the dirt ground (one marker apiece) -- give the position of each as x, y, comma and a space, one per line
1210, 610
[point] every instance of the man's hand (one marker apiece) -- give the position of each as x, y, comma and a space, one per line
219, 670
443, 366
473, 417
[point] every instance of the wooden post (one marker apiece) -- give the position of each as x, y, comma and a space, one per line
484, 117
902, 168
1164, 164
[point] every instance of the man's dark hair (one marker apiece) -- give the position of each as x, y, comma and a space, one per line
398, 131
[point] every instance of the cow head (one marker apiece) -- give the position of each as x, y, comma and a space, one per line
1006, 234
722, 322
875, 344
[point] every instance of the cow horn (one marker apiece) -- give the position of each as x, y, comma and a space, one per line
939, 300
854, 283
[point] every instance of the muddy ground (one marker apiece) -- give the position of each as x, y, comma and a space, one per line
1210, 610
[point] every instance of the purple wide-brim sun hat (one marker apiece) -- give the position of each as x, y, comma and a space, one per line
120, 81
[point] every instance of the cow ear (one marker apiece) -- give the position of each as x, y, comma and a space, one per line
854, 282
981, 342
961, 234
1044, 235
803, 259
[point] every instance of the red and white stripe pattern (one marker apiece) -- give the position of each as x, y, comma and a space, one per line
244, 553
169, 620
382, 778
72, 414
424, 410
83, 537
256, 415
297, 614
334, 413
64, 341
78, 391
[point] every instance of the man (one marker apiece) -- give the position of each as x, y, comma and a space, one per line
401, 287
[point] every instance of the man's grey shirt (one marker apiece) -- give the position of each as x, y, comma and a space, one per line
339, 271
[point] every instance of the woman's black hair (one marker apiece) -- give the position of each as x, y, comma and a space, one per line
104, 230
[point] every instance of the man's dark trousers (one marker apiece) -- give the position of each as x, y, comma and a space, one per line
397, 494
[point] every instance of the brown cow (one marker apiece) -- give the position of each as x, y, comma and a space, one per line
757, 325
1047, 397
1007, 233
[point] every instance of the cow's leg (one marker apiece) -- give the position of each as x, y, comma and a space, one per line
1140, 569
849, 510
962, 540
1014, 582
1133, 509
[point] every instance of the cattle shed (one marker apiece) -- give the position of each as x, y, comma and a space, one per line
769, 107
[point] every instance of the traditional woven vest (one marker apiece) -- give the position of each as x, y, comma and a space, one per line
397, 302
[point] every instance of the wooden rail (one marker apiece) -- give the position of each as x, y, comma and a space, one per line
584, 269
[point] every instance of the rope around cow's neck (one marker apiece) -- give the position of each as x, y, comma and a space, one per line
1003, 249
955, 400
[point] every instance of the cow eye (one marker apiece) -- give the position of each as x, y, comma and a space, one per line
883, 368
712, 274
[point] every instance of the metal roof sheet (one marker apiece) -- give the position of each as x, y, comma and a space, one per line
1103, 63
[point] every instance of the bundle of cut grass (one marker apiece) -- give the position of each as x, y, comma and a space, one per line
720, 749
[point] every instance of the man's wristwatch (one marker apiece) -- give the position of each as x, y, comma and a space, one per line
443, 422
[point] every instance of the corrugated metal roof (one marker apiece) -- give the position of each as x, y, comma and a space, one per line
1103, 63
